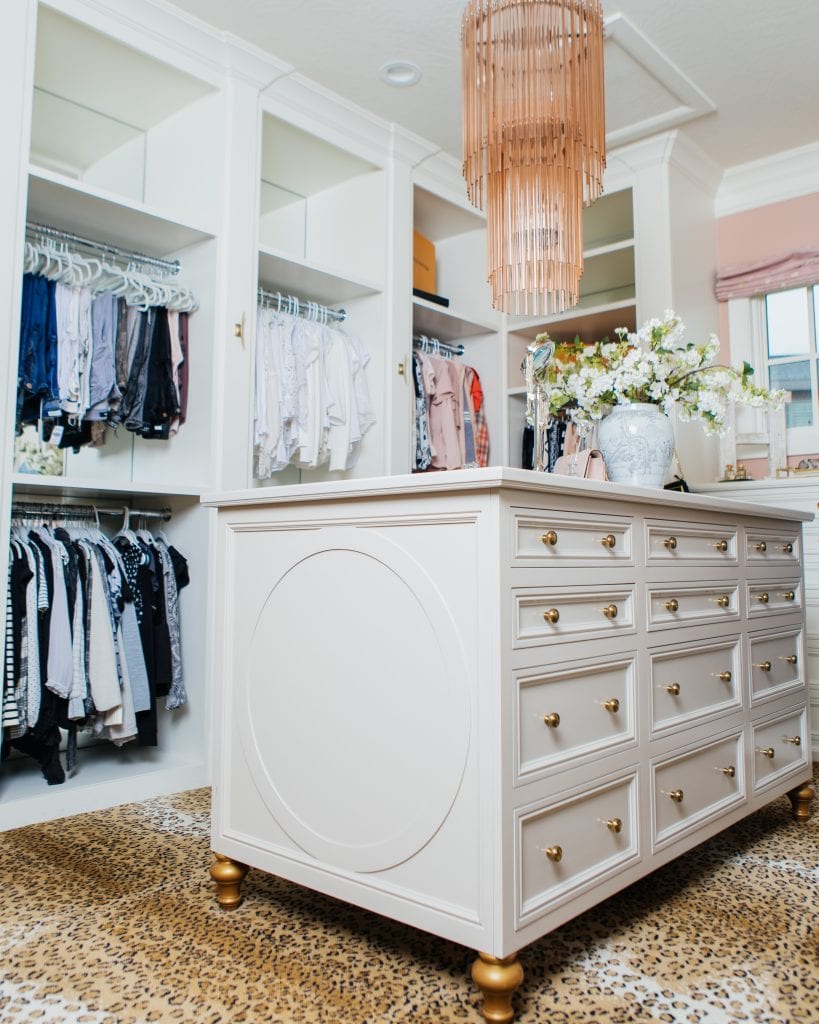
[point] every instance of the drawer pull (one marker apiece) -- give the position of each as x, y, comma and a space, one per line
552, 720
670, 543
730, 771
721, 545
763, 598
610, 611
788, 549
554, 853
614, 825
673, 794
791, 659
612, 705
762, 547
673, 689
552, 615
673, 605
609, 541
724, 677
764, 665
766, 751
789, 595
795, 740
550, 538
724, 601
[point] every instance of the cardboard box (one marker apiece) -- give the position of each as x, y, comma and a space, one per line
423, 263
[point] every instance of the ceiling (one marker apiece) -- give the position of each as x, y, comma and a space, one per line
740, 75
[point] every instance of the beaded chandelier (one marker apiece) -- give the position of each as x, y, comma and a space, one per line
534, 141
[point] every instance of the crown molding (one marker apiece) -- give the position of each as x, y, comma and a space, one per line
410, 148
773, 179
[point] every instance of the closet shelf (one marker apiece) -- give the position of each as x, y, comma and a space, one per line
604, 248
75, 487
588, 321
280, 271
74, 206
446, 324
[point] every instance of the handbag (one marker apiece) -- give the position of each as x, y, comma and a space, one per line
588, 464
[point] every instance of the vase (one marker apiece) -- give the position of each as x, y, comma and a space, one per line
637, 442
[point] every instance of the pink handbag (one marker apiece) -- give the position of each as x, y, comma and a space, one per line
588, 464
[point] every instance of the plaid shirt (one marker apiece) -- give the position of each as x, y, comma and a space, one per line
481, 430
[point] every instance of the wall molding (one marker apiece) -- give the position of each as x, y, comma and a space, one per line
773, 179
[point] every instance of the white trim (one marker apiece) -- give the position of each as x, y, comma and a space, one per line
773, 179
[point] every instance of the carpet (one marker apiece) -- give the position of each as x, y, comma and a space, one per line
111, 918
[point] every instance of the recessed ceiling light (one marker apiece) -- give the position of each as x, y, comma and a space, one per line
400, 72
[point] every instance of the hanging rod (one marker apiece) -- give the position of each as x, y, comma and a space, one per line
432, 345
299, 307
36, 509
168, 266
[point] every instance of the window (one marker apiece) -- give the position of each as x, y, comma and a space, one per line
791, 357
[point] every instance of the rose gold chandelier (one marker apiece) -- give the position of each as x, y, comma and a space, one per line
534, 141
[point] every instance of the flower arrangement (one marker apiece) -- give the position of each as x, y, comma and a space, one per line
654, 365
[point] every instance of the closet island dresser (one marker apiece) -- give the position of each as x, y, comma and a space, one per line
481, 702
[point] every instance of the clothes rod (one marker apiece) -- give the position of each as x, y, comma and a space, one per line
300, 307
432, 345
36, 509
168, 266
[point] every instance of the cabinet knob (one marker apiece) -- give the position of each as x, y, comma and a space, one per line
610, 611
550, 538
762, 547
789, 595
670, 543
721, 545
552, 615
730, 771
673, 605
791, 659
673, 689
795, 740
724, 601
766, 751
552, 720
673, 794
764, 665
614, 825
612, 705
554, 853
788, 549
609, 541
763, 598
724, 677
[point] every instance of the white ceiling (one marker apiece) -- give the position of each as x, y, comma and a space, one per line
742, 75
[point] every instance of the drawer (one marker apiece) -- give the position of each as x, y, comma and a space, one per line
548, 615
774, 597
674, 543
572, 711
763, 547
568, 846
781, 746
670, 605
694, 786
776, 663
694, 683
546, 538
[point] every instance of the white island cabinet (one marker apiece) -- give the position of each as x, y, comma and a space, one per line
481, 702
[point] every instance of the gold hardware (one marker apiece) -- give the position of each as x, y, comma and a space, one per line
724, 677
612, 705
402, 368
730, 771
614, 825
608, 541
552, 720
764, 665
670, 543
673, 689
789, 595
721, 545
766, 751
788, 549
553, 615
549, 538
610, 611
762, 547
763, 598
554, 853
672, 605
674, 794
795, 740
239, 330
791, 659
724, 601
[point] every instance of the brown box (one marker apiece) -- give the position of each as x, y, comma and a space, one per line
423, 263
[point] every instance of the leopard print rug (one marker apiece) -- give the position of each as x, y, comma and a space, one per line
110, 918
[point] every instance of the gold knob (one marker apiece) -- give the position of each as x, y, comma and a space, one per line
612, 705
608, 541
554, 853
672, 605
610, 611
614, 825
670, 543
552, 720
549, 538
552, 615
789, 595
674, 794
763, 598
795, 740
724, 677
762, 547
730, 771
721, 545
791, 659
764, 665
766, 751
788, 549
724, 601
673, 689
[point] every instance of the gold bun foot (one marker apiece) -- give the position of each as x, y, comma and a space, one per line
228, 875
800, 799
497, 980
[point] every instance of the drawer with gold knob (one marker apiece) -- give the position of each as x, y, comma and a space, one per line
694, 682
672, 542
567, 846
546, 616
693, 786
573, 711
780, 746
776, 663
545, 538
775, 548
774, 597
670, 605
